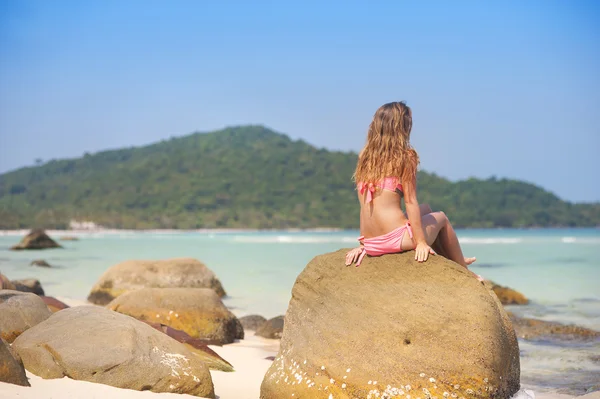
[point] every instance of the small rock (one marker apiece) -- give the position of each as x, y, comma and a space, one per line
36, 239
11, 366
272, 328
532, 329
5, 283
29, 285
197, 346
506, 295
252, 322
54, 304
69, 238
40, 263
20, 311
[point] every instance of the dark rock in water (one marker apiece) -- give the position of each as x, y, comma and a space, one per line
507, 296
11, 366
393, 327
197, 346
94, 344
252, 322
20, 311
169, 273
54, 304
36, 239
5, 283
29, 285
532, 329
197, 311
40, 263
272, 328
69, 238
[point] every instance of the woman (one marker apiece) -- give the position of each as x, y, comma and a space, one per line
386, 171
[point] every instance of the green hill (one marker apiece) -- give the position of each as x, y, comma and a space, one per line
248, 177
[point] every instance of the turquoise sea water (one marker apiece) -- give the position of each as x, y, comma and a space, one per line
558, 269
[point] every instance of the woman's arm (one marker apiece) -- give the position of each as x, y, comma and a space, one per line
422, 249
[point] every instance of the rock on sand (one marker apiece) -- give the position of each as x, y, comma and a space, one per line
136, 274
197, 311
94, 344
393, 327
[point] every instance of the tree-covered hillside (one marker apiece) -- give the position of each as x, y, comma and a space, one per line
248, 177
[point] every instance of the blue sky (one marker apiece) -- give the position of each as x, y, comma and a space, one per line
505, 88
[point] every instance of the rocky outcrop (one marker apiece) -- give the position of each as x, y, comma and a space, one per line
20, 311
272, 328
252, 322
198, 347
197, 311
533, 329
391, 328
29, 285
507, 296
170, 273
54, 304
5, 283
94, 344
40, 263
69, 238
36, 239
11, 366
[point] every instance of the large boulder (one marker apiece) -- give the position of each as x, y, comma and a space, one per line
36, 239
391, 328
272, 328
94, 344
136, 274
20, 311
197, 311
29, 285
506, 295
11, 366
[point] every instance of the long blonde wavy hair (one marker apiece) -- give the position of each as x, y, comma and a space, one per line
388, 152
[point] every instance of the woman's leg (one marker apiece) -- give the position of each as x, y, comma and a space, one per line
437, 227
436, 246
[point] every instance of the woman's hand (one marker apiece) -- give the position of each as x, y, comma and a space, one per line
422, 252
353, 255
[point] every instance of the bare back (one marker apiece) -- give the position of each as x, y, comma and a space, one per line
382, 215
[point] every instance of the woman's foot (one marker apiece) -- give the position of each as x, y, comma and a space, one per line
469, 261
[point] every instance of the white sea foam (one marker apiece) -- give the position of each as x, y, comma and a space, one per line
292, 239
581, 240
487, 241
524, 394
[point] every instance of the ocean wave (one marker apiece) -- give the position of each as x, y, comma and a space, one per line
293, 239
580, 240
507, 240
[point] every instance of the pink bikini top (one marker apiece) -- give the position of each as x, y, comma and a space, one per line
388, 183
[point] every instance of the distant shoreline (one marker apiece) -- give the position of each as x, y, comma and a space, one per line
21, 232
173, 231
